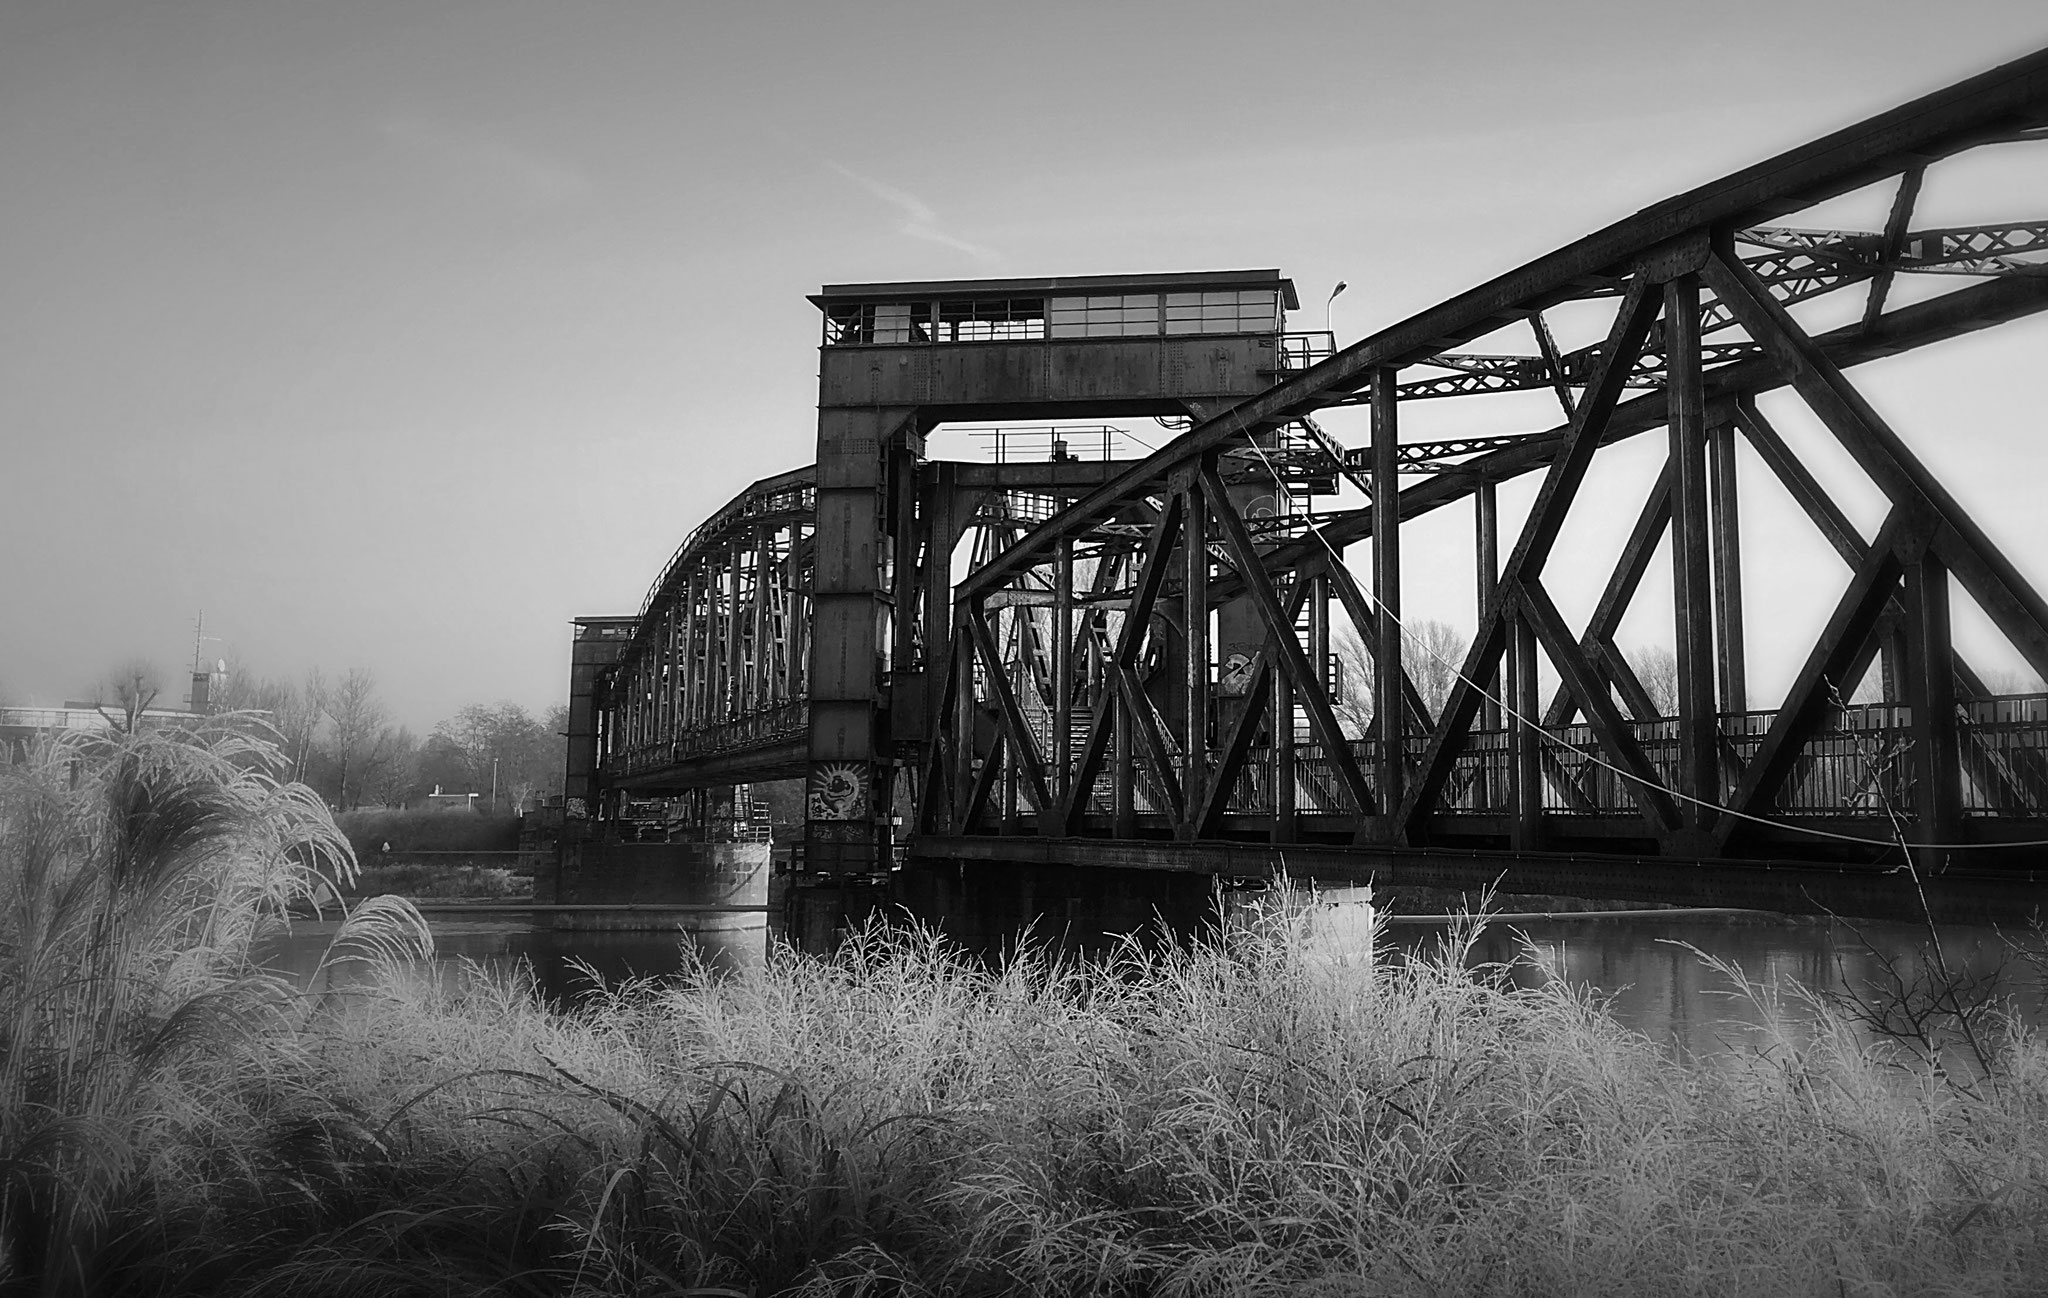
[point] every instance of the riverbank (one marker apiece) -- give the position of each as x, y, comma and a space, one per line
1263, 1114
1268, 1110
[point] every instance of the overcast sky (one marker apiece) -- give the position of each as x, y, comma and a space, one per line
395, 334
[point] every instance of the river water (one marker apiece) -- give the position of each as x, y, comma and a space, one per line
1646, 964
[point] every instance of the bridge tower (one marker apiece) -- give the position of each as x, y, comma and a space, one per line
896, 362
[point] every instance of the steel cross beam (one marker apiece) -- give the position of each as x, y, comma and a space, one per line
1985, 107
1673, 274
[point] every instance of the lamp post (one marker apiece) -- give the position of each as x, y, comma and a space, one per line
1326, 311
494, 785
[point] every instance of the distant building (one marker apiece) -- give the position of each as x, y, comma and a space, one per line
440, 801
19, 727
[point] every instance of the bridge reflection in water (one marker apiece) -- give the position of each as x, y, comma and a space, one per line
1077, 672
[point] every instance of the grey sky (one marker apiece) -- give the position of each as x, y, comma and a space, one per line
395, 334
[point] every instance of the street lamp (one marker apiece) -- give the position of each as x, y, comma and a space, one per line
494, 786
1326, 311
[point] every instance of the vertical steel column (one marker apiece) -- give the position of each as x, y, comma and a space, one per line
775, 619
1525, 775
1931, 694
943, 509
735, 634
1123, 771
1727, 566
638, 716
797, 606
962, 722
717, 624
1389, 704
686, 631
1285, 818
619, 703
1490, 788
671, 676
1019, 626
1195, 552
1063, 670
700, 648
1692, 592
1319, 635
1486, 562
761, 661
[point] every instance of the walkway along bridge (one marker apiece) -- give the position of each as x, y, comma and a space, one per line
1047, 675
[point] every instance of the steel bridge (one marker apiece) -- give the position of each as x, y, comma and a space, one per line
1093, 652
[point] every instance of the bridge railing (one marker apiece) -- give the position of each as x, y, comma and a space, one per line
1862, 764
755, 730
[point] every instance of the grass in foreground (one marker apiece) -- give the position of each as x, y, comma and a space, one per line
1250, 1114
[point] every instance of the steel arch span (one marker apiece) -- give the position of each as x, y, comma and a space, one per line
1138, 658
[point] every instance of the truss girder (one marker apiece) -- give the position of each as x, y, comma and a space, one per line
1192, 746
1156, 650
711, 687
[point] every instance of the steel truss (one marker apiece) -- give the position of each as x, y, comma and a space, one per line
1137, 666
1098, 708
711, 688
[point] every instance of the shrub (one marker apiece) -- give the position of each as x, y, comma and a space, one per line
427, 830
414, 879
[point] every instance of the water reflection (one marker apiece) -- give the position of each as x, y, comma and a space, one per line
562, 962
1652, 974
1648, 966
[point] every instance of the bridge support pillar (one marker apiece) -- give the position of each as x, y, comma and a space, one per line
864, 455
600, 641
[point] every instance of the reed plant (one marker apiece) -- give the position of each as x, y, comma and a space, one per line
1262, 1110
140, 1044
1243, 1115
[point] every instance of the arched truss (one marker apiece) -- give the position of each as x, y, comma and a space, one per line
711, 688
1082, 704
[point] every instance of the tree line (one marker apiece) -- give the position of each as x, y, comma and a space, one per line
338, 737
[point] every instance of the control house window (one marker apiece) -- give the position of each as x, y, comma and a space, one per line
1098, 315
1223, 311
877, 322
997, 321
1123, 315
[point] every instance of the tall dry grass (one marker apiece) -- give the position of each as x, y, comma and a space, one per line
141, 1050
1240, 1116
1250, 1113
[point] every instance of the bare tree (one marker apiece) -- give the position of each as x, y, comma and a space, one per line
392, 775
127, 693
499, 746
356, 723
1656, 666
1432, 651
1352, 686
294, 711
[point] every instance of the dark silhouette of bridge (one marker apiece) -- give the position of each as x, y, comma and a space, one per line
1075, 660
